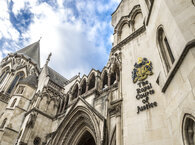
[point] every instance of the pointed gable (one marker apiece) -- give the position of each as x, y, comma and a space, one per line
32, 51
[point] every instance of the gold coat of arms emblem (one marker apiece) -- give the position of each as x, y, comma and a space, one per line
142, 69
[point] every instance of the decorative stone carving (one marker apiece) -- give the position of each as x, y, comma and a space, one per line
115, 61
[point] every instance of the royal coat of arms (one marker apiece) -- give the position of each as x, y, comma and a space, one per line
142, 69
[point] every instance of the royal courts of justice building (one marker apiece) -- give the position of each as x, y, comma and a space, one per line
145, 95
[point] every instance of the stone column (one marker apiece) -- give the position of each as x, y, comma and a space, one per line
70, 96
80, 90
65, 99
132, 25
118, 126
87, 86
109, 79
78, 93
117, 77
96, 82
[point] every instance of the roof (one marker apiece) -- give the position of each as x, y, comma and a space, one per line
30, 80
56, 77
32, 51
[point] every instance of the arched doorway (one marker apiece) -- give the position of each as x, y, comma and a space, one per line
86, 139
80, 127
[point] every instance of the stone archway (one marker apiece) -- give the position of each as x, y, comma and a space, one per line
80, 127
86, 139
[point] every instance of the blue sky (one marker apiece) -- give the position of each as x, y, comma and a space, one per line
77, 32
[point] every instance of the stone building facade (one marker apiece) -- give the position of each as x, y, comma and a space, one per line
145, 95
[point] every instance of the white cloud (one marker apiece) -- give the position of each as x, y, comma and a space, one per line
6, 28
75, 41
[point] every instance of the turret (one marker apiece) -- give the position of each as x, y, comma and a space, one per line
18, 83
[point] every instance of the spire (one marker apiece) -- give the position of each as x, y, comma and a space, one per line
32, 51
48, 59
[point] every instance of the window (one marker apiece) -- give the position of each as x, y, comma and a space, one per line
75, 92
3, 123
125, 31
165, 50
4, 75
20, 90
113, 78
138, 21
83, 87
13, 103
189, 130
92, 82
105, 80
18, 77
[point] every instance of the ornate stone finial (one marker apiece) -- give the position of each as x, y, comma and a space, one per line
40, 38
48, 59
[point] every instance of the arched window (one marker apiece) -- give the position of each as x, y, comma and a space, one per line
18, 77
138, 20
83, 86
105, 80
75, 92
189, 130
113, 78
92, 82
125, 31
14, 102
4, 75
3, 123
115, 74
165, 49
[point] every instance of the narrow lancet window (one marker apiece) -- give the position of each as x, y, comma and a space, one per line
92, 82
83, 87
18, 77
4, 75
165, 50
75, 92
105, 80
13, 103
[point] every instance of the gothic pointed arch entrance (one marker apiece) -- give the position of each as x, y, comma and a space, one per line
86, 139
81, 126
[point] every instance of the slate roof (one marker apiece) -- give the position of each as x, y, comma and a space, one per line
31, 80
32, 51
56, 77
